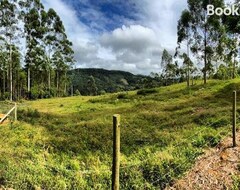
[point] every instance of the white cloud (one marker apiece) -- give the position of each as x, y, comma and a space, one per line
162, 16
135, 47
134, 38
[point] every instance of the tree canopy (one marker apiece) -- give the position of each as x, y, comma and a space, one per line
38, 67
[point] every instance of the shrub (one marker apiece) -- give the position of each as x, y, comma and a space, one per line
6, 95
122, 96
33, 113
77, 93
34, 94
146, 91
102, 92
220, 123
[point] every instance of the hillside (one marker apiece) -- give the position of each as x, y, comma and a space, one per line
107, 80
66, 143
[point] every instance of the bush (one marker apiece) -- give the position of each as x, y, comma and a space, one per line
102, 92
6, 95
146, 91
32, 113
122, 96
77, 93
34, 94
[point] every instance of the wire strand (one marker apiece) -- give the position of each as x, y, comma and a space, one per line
188, 161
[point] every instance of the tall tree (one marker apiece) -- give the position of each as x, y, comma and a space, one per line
10, 29
3, 64
60, 51
91, 86
206, 31
169, 68
188, 67
231, 40
185, 34
34, 32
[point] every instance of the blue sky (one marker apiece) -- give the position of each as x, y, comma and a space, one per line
127, 35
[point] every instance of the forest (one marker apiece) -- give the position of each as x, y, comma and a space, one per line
35, 53
37, 58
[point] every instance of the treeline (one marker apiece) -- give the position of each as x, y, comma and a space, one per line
101, 81
206, 44
35, 53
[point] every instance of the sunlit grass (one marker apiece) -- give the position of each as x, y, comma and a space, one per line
66, 143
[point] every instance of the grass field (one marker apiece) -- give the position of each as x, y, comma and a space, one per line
66, 143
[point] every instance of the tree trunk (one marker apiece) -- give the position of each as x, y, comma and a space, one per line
65, 84
72, 90
29, 81
57, 83
234, 67
4, 82
234, 61
49, 79
188, 69
205, 57
11, 73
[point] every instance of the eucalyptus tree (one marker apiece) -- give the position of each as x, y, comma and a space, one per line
231, 40
60, 52
169, 68
10, 30
16, 69
32, 11
188, 67
206, 31
184, 33
3, 64
50, 41
91, 86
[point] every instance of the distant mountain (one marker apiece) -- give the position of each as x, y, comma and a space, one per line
106, 80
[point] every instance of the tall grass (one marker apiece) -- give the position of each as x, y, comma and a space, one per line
66, 143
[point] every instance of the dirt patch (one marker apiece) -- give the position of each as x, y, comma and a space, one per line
214, 169
5, 121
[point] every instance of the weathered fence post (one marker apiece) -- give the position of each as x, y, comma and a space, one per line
15, 111
116, 152
234, 118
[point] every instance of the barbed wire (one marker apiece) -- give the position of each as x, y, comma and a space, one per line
95, 172
184, 163
178, 144
145, 160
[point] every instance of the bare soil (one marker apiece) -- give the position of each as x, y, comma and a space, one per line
214, 170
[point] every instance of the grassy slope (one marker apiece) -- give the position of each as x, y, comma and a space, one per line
66, 143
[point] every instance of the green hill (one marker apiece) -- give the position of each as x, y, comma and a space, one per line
107, 80
66, 143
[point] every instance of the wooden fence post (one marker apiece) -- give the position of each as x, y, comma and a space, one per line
116, 152
15, 111
234, 118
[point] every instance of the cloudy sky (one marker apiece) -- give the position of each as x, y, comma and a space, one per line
127, 35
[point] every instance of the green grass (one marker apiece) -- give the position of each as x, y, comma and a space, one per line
66, 143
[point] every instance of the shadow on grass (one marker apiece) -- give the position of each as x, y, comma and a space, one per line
80, 132
142, 125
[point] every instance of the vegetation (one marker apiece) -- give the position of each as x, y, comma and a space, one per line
101, 81
66, 143
37, 68
211, 39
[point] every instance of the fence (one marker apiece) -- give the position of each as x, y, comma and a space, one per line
116, 147
116, 167
6, 115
